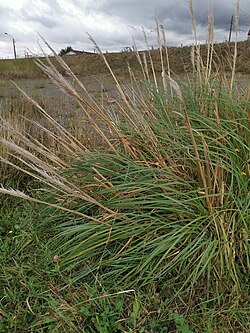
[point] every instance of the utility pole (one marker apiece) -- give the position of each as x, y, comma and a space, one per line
231, 27
14, 43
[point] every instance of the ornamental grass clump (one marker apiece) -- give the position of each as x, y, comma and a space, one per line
164, 198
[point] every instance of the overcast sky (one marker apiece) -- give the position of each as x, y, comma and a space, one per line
112, 23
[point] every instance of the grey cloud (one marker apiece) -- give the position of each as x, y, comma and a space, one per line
5, 17
44, 20
124, 18
174, 14
44, 17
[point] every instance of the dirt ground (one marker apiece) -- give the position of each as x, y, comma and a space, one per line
55, 101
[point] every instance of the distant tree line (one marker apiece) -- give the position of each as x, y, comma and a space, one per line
65, 51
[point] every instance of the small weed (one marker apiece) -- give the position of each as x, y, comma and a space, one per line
181, 325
